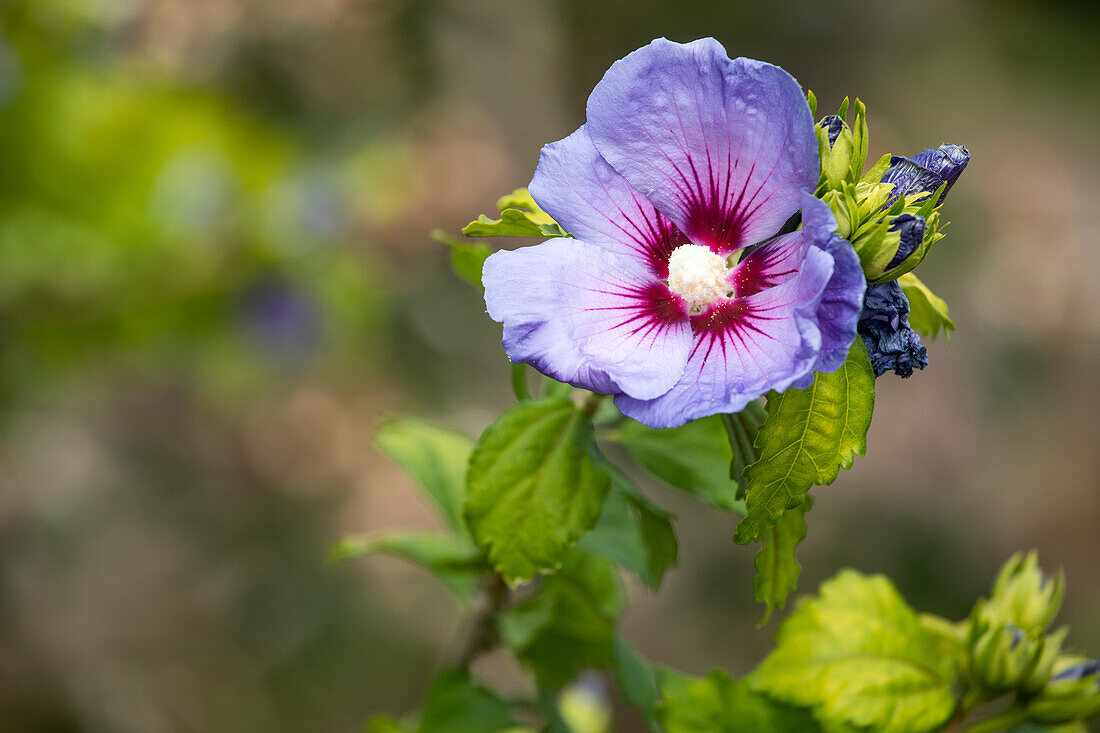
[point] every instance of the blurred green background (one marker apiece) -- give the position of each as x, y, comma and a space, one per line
215, 279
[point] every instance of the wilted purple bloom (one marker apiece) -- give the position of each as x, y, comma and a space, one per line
927, 171
686, 158
884, 326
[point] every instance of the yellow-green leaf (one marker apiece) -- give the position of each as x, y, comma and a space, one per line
808, 436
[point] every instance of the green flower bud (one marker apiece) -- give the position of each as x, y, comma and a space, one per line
1003, 658
1044, 665
1024, 596
1071, 693
836, 145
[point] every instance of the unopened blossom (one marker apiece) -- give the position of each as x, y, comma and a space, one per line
927, 171
686, 159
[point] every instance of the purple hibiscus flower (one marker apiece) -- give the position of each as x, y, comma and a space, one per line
686, 159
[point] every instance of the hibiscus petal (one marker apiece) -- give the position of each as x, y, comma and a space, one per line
743, 349
588, 316
584, 194
723, 148
838, 312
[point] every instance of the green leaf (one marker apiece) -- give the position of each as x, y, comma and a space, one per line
467, 258
455, 704
520, 216
535, 486
777, 570
859, 656
569, 624
694, 458
808, 436
927, 311
452, 559
633, 532
718, 704
636, 678
435, 457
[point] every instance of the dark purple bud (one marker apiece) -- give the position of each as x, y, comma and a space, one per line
911, 229
834, 125
884, 326
1079, 671
1016, 634
947, 161
927, 171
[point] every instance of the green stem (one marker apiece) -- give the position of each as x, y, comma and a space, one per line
483, 632
519, 382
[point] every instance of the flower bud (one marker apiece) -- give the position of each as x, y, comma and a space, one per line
909, 232
1052, 647
836, 145
1071, 693
1024, 596
1003, 657
927, 171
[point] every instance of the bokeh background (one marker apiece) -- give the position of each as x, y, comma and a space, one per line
215, 279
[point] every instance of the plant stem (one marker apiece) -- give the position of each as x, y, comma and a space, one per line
483, 635
519, 382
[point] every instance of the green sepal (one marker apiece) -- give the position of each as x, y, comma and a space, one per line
808, 436
520, 216
875, 173
842, 162
535, 484
777, 569
858, 656
927, 311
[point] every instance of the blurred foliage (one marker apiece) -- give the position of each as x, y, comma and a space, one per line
209, 289
147, 223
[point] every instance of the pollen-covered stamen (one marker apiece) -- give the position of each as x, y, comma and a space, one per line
699, 276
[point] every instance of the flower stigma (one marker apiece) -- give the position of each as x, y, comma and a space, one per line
699, 276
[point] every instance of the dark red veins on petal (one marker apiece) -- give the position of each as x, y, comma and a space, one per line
733, 320
763, 269
656, 237
652, 306
715, 215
